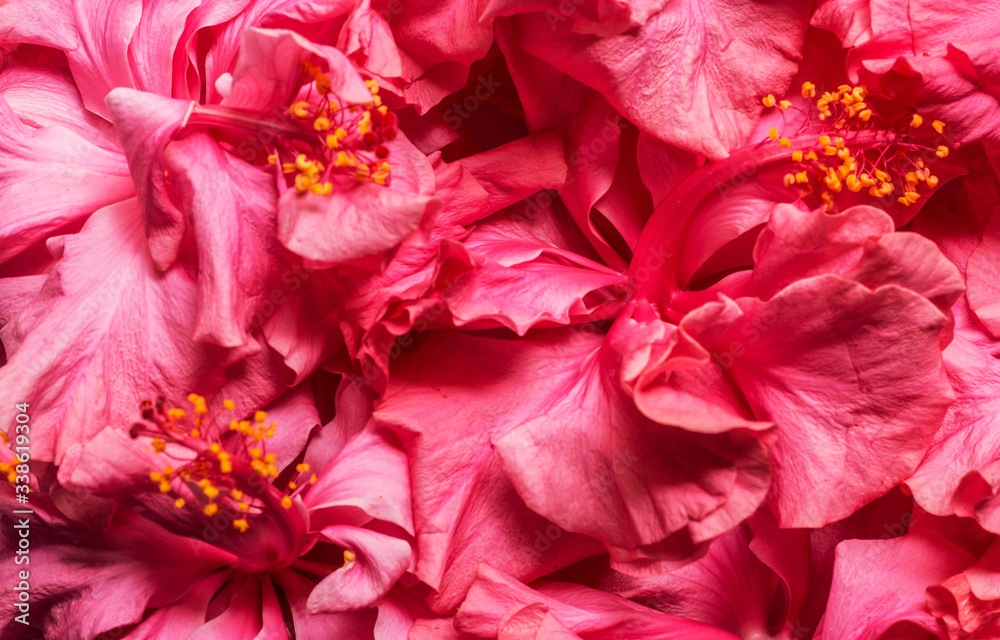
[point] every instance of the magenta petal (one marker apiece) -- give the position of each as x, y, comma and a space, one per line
84, 353
519, 169
857, 390
983, 276
379, 561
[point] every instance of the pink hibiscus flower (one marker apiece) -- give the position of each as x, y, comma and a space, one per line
193, 528
727, 378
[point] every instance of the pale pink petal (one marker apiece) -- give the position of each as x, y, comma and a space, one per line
368, 480
880, 584
109, 331
132, 113
379, 560
31, 161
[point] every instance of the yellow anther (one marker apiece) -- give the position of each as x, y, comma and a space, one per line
255, 453
312, 479
772, 133
204, 482
302, 163
797, 155
784, 104
175, 414
292, 485
287, 167
243, 506
155, 476
299, 109
211, 509
832, 182
229, 405
372, 86
789, 179
322, 123
785, 143
214, 447
286, 502
769, 100
938, 126
808, 90
349, 557
270, 458
159, 446
932, 181
801, 177
236, 494
916, 120
211, 493
302, 467
179, 503
865, 115
164, 486
830, 151
362, 172
225, 466
323, 189
881, 175
272, 159
195, 433
942, 152
303, 183
853, 183
240, 525
332, 141
365, 124
824, 141
344, 160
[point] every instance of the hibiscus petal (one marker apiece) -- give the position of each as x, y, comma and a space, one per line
857, 389
109, 331
378, 561
743, 52
878, 584
32, 161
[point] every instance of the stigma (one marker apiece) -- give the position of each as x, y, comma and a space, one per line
231, 469
846, 146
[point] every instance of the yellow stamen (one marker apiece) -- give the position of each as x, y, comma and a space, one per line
938, 126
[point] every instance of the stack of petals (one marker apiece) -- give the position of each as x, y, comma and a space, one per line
453, 320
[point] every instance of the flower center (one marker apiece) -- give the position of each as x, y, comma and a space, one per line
227, 478
319, 141
843, 155
843, 147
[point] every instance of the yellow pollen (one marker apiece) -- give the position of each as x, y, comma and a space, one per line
211, 509
797, 155
932, 181
236, 494
286, 502
769, 100
349, 557
159, 446
773, 133
784, 104
824, 141
321, 123
292, 485
211, 493
179, 503
255, 453
808, 90
243, 506
164, 486
302, 467
215, 448
272, 159
241, 525
195, 433
229, 405
175, 414
916, 120
155, 476
785, 143
312, 479
938, 126
942, 152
